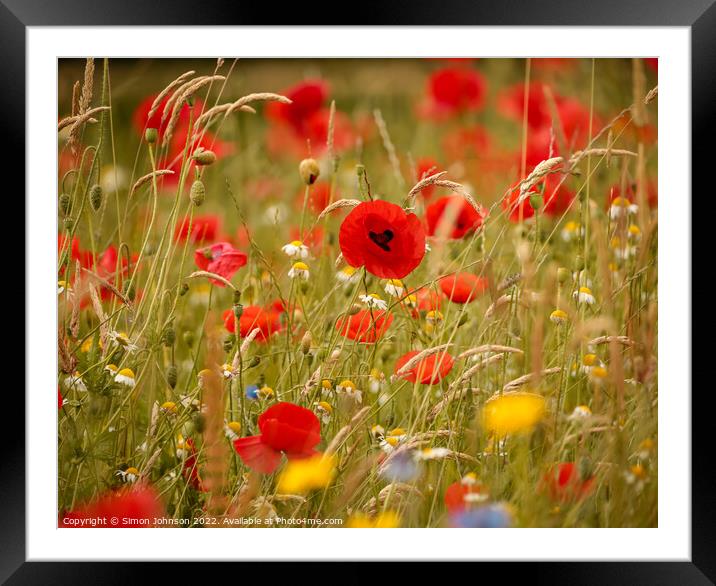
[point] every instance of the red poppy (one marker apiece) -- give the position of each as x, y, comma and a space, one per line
136, 506
458, 494
557, 196
467, 142
463, 287
428, 299
554, 64
59, 398
425, 167
453, 90
564, 483
284, 427
513, 209
428, 371
653, 64
467, 220
574, 118
318, 197
252, 317
286, 140
365, 326
511, 103
221, 259
306, 97
141, 121
203, 228
384, 238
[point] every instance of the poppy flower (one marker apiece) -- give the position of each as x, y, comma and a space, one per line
467, 142
285, 428
306, 97
463, 287
318, 197
427, 299
557, 196
384, 238
203, 228
135, 506
459, 495
141, 121
284, 140
424, 167
252, 317
365, 327
221, 259
467, 220
60, 400
511, 104
564, 483
453, 90
428, 371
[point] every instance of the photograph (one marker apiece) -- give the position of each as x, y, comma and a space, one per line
406, 292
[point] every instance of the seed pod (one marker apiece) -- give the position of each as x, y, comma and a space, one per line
306, 342
309, 171
229, 343
183, 289
188, 338
64, 203
562, 274
255, 361
204, 157
535, 201
579, 263
150, 135
96, 197
172, 376
169, 337
199, 422
197, 193
464, 318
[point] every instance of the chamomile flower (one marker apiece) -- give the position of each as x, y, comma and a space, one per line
584, 295
228, 371
622, 250
300, 271
559, 317
377, 432
409, 301
63, 286
74, 381
122, 340
88, 344
128, 475
495, 448
432, 454
376, 381
590, 361
296, 249
183, 449
112, 369
324, 411
580, 412
348, 275
265, 393
572, 231
392, 439
232, 430
620, 207
374, 301
125, 377
433, 319
645, 449
598, 374
200, 294
633, 232
168, 407
349, 388
394, 287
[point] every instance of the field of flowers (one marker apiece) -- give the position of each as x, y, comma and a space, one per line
357, 293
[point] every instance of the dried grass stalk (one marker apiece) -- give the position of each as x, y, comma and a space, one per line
345, 431
341, 203
470, 372
524, 379
146, 178
186, 93
208, 275
163, 94
417, 358
486, 348
87, 86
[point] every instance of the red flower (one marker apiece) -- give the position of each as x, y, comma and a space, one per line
221, 259
365, 327
141, 121
467, 220
306, 97
284, 427
556, 199
425, 167
384, 238
59, 398
428, 371
467, 142
511, 104
564, 484
463, 287
138, 506
428, 299
190, 467
318, 197
252, 317
453, 90
458, 494
203, 228
512, 207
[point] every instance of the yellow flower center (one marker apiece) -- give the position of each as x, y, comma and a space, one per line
585, 290
234, 426
300, 266
589, 359
347, 384
132, 470
126, 372
297, 243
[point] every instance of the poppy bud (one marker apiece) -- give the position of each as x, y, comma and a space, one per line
197, 193
238, 311
188, 338
579, 263
64, 203
150, 135
229, 343
562, 274
169, 337
255, 361
306, 342
68, 223
204, 157
535, 201
96, 197
172, 376
464, 318
309, 171
183, 289
199, 423
237, 297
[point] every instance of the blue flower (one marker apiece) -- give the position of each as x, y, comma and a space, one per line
252, 392
494, 516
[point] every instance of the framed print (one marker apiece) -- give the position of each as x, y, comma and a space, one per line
338, 279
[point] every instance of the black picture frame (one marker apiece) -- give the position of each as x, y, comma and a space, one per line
698, 15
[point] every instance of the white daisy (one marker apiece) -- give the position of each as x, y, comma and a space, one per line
125, 377
324, 411
299, 270
232, 429
376, 381
622, 207
296, 249
131, 474
349, 388
75, 381
394, 287
584, 295
374, 301
348, 275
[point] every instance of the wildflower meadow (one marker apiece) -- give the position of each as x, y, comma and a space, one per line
357, 292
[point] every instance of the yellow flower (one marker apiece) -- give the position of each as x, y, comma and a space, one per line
558, 316
301, 476
385, 520
513, 412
